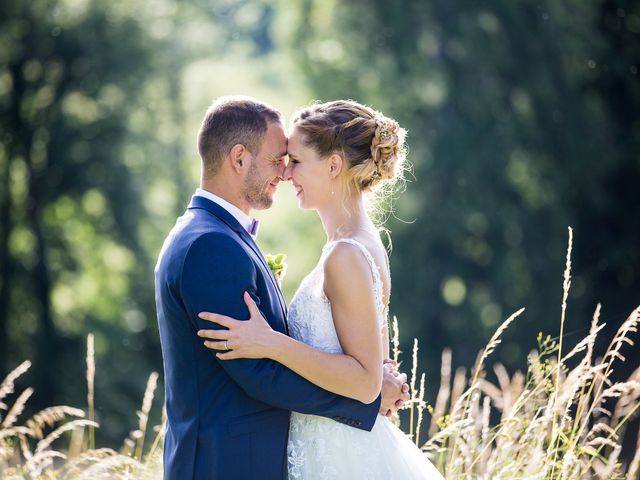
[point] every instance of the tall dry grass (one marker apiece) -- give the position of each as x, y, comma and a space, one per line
32, 449
564, 419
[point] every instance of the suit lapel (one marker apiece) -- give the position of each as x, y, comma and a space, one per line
212, 207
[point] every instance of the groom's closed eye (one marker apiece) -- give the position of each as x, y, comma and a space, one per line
281, 158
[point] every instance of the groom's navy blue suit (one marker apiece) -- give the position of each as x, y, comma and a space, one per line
227, 419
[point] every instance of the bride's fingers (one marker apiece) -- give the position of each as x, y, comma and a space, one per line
216, 318
214, 334
216, 345
254, 312
230, 355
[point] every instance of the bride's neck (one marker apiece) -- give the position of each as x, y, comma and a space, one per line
341, 220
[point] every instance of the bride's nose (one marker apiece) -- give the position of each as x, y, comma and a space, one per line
286, 174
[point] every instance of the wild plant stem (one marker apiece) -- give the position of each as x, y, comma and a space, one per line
91, 372
615, 430
555, 437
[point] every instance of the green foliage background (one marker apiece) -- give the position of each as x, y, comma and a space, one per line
522, 120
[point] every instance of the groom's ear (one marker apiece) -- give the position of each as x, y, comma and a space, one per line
335, 165
238, 156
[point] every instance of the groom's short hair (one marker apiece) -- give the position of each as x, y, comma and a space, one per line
232, 120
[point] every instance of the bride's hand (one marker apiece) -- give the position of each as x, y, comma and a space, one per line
252, 338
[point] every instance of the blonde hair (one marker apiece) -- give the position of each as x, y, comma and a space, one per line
371, 143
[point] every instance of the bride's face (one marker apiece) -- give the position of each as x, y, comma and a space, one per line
308, 172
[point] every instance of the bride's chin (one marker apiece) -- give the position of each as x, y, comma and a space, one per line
301, 201
304, 205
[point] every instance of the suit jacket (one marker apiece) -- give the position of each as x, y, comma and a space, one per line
227, 419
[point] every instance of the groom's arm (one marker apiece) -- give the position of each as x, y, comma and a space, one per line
215, 274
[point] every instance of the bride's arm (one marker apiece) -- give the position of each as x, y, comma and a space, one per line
349, 287
348, 284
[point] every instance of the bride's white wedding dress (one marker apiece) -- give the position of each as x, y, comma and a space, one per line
320, 448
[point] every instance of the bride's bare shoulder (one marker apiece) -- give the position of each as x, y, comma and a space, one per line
344, 255
346, 264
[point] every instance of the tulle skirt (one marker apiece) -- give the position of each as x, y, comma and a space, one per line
321, 449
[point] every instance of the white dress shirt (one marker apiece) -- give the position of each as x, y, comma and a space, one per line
243, 218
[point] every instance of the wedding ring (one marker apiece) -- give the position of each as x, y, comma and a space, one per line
226, 347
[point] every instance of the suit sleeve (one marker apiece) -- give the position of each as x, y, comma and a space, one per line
215, 274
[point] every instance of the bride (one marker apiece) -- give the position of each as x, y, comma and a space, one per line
339, 152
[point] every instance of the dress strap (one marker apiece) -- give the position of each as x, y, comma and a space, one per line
375, 272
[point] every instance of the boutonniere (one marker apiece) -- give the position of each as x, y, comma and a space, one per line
277, 265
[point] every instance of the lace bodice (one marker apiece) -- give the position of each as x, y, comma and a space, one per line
310, 319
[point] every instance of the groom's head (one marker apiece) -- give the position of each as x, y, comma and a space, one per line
242, 144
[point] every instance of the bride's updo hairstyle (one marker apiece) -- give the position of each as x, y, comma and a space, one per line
371, 144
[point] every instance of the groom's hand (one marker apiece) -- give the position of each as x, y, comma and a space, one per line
395, 390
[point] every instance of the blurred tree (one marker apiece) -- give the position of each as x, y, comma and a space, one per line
93, 171
65, 78
522, 120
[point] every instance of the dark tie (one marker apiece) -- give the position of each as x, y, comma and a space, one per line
253, 228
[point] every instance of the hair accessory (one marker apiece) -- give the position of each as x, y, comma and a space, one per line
383, 131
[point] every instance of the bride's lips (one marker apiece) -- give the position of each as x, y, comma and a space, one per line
298, 190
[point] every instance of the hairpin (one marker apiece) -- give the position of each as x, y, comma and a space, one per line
384, 132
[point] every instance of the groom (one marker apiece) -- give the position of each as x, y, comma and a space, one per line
230, 419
